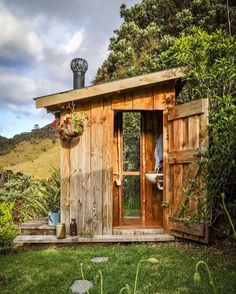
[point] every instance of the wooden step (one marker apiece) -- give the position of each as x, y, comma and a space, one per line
47, 239
42, 230
34, 223
137, 231
37, 227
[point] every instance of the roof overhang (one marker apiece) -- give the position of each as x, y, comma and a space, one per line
56, 101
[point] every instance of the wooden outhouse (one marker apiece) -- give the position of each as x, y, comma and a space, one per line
100, 178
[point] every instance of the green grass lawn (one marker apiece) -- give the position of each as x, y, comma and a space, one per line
53, 270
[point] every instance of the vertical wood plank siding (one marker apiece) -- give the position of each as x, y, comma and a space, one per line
107, 173
87, 164
65, 183
84, 190
96, 165
65, 179
159, 97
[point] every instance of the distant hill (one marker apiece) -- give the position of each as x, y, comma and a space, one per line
32, 153
3, 140
36, 134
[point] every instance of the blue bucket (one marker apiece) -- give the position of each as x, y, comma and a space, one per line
53, 218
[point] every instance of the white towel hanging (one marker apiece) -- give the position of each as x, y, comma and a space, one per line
158, 153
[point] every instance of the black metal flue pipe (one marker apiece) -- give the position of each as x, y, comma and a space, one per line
79, 66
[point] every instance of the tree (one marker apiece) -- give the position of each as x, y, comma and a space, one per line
151, 27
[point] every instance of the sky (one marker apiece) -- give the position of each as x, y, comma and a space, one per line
38, 40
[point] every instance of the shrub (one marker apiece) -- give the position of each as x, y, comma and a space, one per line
8, 230
210, 59
23, 198
49, 194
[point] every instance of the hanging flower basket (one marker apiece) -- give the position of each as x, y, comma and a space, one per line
71, 131
72, 126
74, 130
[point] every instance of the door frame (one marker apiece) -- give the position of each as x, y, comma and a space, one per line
122, 173
118, 219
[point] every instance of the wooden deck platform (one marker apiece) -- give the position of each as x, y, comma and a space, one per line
37, 231
50, 239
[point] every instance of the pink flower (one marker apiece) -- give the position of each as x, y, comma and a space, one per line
67, 120
54, 123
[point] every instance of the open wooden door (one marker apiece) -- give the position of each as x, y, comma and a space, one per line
187, 136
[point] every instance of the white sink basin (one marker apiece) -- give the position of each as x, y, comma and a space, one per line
154, 177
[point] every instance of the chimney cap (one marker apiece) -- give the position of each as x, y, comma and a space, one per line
79, 65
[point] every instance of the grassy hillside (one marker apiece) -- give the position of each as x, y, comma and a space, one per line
33, 153
36, 159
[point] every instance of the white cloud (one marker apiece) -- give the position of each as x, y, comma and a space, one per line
74, 42
17, 38
37, 42
15, 87
18, 89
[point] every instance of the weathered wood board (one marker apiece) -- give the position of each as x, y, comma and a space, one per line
86, 169
159, 97
186, 136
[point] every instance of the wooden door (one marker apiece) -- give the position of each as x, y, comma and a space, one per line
187, 136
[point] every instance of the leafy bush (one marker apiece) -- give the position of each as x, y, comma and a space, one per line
211, 74
8, 229
49, 194
23, 198
21, 189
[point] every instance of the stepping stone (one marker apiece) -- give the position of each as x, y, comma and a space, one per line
81, 286
99, 259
